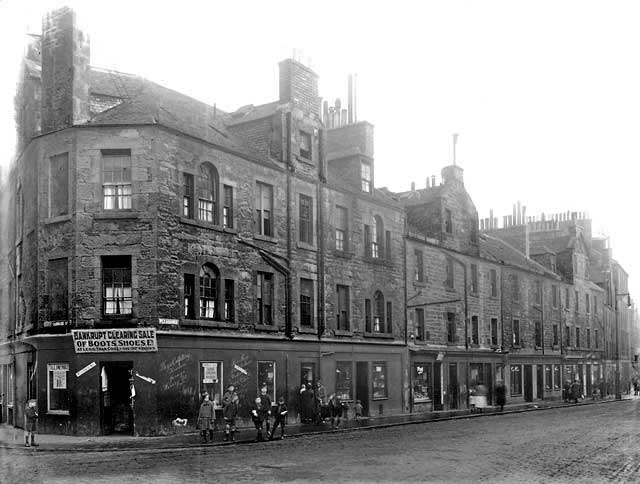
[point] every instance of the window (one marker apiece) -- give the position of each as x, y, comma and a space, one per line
538, 289
556, 377
187, 197
116, 179
306, 302
342, 241
378, 312
379, 380
344, 380
448, 282
516, 332
586, 303
516, 380
58, 289
419, 322
227, 208
116, 285
209, 280
267, 377
263, 201
474, 279
448, 222
515, 287
10, 386
538, 333
367, 315
555, 335
189, 295
451, 327
229, 300
387, 244
57, 388
376, 238
389, 327
305, 145
577, 337
475, 331
494, 283
211, 380
595, 339
365, 175
59, 185
342, 316
422, 382
306, 219
595, 304
494, 331
588, 338
207, 185
264, 298
548, 377
566, 298
567, 336
577, 301
419, 266
554, 295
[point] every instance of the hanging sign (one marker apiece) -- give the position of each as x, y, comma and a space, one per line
240, 369
114, 340
85, 369
146, 378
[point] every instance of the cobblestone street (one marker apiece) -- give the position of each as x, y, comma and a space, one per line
587, 444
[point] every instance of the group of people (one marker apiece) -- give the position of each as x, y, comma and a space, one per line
315, 407
572, 391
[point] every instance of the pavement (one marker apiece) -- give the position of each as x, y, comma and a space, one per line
12, 437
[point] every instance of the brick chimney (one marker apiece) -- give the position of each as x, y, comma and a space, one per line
65, 70
299, 86
452, 174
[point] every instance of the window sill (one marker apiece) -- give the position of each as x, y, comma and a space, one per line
207, 323
116, 214
58, 412
342, 332
265, 238
266, 327
306, 246
57, 219
201, 224
379, 335
307, 330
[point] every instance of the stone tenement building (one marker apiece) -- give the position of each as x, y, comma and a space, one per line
154, 248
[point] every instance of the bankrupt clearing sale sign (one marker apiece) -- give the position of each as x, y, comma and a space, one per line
114, 340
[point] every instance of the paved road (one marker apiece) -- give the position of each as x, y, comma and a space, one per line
590, 444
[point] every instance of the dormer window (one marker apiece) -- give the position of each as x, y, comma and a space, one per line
365, 174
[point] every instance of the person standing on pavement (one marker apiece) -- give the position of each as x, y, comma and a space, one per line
335, 410
321, 402
30, 422
279, 419
575, 390
258, 416
357, 410
566, 390
265, 402
206, 416
229, 412
501, 394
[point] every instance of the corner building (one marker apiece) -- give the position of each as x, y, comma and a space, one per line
163, 248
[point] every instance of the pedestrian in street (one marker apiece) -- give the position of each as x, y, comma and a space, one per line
481, 397
566, 391
31, 422
265, 402
229, 412
307, 403
280, 419
321, 402
357, 410
335, 410
258, 417
501, 394
575, 390
206, 417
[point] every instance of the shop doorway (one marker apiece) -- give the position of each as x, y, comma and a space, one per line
539, 382
362, 385
116, 413
528, 383
453, 386
589, 381
437, 386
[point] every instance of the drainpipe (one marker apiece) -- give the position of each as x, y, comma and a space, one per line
321, 234
290, 169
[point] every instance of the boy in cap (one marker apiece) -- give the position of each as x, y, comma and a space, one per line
206, 416
229, 412
280, 418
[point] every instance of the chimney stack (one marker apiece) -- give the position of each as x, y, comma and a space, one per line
299, 86
413, 186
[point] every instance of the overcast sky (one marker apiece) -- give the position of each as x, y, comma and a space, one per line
545, 95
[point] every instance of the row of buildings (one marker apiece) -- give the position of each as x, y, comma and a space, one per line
154, 248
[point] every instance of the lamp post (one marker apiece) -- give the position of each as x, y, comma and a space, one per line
617, 378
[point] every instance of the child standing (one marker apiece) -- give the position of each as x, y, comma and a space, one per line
357, 410
31, 422
258, 416
279, 419
206, 418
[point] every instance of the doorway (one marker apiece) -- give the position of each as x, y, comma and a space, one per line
528, 383
540, 382
437, 386
115, 397
362, 385
453, 386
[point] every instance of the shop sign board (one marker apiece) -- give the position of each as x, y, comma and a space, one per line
114, 340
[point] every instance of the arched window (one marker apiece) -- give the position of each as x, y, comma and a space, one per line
378, 312
209, 284
207, 185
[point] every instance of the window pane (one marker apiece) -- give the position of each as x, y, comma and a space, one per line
344, 380
57, 386
422, 382
211, 380
267, 377
379, 380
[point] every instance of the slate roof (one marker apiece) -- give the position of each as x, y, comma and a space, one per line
251, 113
498, 250
418, 197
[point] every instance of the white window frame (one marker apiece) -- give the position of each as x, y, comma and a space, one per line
50, 368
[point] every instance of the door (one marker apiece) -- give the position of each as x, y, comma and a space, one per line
539, 382
588, 378
454, 392
115, 397
362, 385
437, 386
528, 383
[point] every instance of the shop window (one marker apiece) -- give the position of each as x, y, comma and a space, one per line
556, 377
307, 373
342, 316
116, 179
475, 331
116, 285
379, 380
58, 289
306, 302
419, 266
264, 298
187, 195
229, 300
209, 283
494, 331
365, 175
422, 382
227, 208
516, 380
267, 377
342, 240
344, 380
58, 388
305, 213
263, 206
59, 185
207, 186
548, 377
189, 296
211, 380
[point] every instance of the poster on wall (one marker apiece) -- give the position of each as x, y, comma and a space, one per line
210, 372
59, 379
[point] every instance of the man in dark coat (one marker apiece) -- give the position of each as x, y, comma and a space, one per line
575, 391
229, 412
501, 394
265, 403
258, 415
